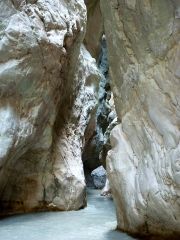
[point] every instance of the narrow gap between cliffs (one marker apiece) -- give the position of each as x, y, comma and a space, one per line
97, 134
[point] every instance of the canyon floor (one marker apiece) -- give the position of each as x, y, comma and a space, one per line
96, 222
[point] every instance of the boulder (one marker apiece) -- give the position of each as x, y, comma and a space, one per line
99, 177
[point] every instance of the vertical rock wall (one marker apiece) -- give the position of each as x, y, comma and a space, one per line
69, 187
97, 132
94, 29
144, 163
40, 79
48, 90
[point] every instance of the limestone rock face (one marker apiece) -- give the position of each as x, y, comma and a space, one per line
40, 78
106, 191
144, 163
98, 130
99, 177
69, 138
94, 29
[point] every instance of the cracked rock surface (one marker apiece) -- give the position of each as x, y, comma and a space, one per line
144, 163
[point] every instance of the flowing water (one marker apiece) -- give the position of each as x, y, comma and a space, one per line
96, 222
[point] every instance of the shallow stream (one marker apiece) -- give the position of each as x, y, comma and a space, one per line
96, 222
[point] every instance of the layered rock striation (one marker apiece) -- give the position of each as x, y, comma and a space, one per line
143, 165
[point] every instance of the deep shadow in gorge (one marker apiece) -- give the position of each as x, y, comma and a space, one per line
58, 118
103, 119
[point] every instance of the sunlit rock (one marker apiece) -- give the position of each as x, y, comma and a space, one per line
143, 165
42, 71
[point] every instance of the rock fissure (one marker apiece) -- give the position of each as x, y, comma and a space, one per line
89, 95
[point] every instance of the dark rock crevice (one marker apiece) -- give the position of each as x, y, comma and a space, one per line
97, 134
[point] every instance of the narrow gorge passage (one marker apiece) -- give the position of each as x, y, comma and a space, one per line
96, 222
89, 97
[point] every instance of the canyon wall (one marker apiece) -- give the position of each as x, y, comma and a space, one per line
94, 28
48, 96
47, 91
144, 163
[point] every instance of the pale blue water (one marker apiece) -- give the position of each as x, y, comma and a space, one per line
96, 222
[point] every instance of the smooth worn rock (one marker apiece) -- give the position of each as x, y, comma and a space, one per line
47, 91
106, 139
143, 165
99, 177
106, 191
94, 29
69, 140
